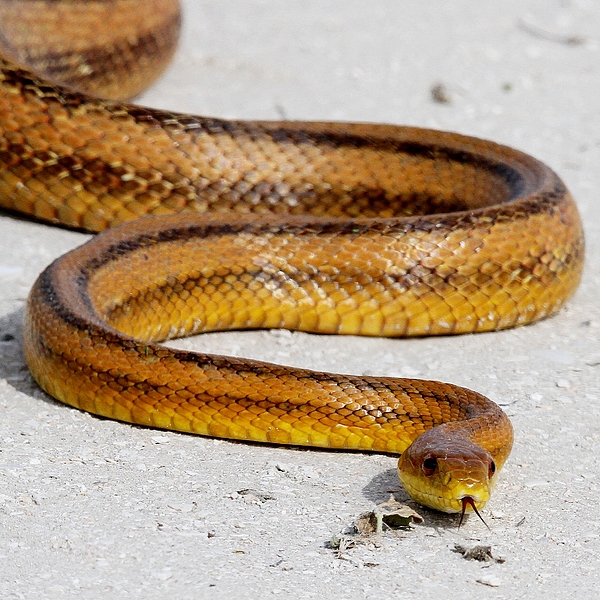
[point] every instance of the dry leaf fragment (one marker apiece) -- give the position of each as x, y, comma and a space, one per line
480, 553
257, 496
390, 514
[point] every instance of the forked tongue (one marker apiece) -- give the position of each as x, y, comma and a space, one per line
468, 501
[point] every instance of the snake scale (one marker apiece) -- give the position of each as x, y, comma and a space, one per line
335, 228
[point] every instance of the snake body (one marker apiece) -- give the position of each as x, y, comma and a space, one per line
321, 227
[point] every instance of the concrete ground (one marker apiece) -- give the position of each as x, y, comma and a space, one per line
96, 509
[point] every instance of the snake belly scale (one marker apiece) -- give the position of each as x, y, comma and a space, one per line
320, 227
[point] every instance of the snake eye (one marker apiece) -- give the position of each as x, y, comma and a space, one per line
491, 469
430, 465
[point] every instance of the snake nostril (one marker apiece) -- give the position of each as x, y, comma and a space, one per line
491, 469
430, 465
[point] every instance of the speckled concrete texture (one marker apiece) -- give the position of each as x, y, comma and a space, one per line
94, 509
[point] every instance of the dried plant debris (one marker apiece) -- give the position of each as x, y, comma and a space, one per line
569, 40
388, 515
341, 543
480, 553
256, 496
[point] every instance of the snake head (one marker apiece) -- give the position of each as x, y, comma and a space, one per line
449, 475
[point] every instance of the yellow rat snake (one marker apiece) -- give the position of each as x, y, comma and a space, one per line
322, 227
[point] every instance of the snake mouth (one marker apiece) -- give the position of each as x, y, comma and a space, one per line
468, 501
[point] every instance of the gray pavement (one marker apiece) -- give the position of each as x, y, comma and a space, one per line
96, 509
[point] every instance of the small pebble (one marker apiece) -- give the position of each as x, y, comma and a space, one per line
532, 483
160, 439
163, 575
490, 581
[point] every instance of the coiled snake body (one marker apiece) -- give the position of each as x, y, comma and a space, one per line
323, 227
